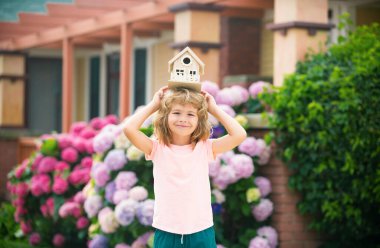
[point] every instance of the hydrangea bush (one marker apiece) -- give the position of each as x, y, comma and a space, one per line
119, 197
46, 189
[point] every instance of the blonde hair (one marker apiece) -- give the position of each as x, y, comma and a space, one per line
182, 96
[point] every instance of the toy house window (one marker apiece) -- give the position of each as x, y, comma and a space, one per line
186, 60
193, 73
179, 72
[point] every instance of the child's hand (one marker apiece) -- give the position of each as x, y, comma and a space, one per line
158, 97
211, 104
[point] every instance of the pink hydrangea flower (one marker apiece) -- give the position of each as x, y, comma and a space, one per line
263, 210
64, 141
90, 146
79, 197
227, 156
242, 165
26, 227
259, 242
270, 234
21, 189
244, 94
69, 155
228, 109
70, 209
214, 167
264, 156
36, 162
40, 184
34, 239
98, 123
122, 245
47, 164
61, 166
58, 240
79, 144
225, 177
79, 176
257, 88
82, 222
77, 127
86, 162
252, 147
224, 96
112, 119
264, 185
210, 87
60, 185
101, 174
87, 133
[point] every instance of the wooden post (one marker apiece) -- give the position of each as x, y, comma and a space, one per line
125, 70
67, 84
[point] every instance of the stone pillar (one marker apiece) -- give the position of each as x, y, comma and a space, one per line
198, 27
301, 26
12, 89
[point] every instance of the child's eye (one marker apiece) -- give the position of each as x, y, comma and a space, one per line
175, 113
191, 115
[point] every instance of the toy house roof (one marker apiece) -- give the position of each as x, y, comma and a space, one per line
187, 49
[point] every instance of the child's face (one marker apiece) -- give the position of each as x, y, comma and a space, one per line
183, 120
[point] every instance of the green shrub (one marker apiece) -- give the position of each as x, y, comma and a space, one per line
326, 126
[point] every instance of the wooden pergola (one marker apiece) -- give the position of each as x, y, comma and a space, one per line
90, 23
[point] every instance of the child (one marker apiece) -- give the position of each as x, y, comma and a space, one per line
180, 155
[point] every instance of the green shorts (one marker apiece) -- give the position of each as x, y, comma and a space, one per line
201, 239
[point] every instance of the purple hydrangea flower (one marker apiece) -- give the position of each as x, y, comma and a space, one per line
115, 159
99, 241
92, 205
270, 234
125, 212
263, 210
103, 141
110, 190
264, 185
101, 174
210, 87
145, 212
259, 242
243, 165
125, 180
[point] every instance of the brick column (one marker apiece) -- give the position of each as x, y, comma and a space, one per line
198, 27
286, 219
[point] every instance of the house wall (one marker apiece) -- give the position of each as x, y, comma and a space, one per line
8, 159
161, 54
266, 46
240, 52
366, 16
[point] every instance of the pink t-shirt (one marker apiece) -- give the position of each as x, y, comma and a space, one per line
182, 187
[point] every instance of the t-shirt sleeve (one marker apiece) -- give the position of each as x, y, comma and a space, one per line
210, 153
154, 149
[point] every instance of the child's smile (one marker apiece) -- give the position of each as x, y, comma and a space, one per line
183, 120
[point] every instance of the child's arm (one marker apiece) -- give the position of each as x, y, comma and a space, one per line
236, 133
134, 122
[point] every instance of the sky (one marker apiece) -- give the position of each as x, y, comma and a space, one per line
9, 9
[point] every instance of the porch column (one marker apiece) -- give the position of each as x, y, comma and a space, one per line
67, 84
198, 27
12, 89
299, 25
125, 69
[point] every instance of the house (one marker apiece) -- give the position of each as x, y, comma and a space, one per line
185, 69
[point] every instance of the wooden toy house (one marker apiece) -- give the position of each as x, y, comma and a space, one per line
185, 69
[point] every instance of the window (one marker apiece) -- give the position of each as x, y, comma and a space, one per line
180, 72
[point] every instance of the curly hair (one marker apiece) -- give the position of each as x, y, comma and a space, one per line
182, 96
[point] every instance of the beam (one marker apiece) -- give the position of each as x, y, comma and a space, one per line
152, 26
44, 20
112, 19
66, 10
251, 4
109, 4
